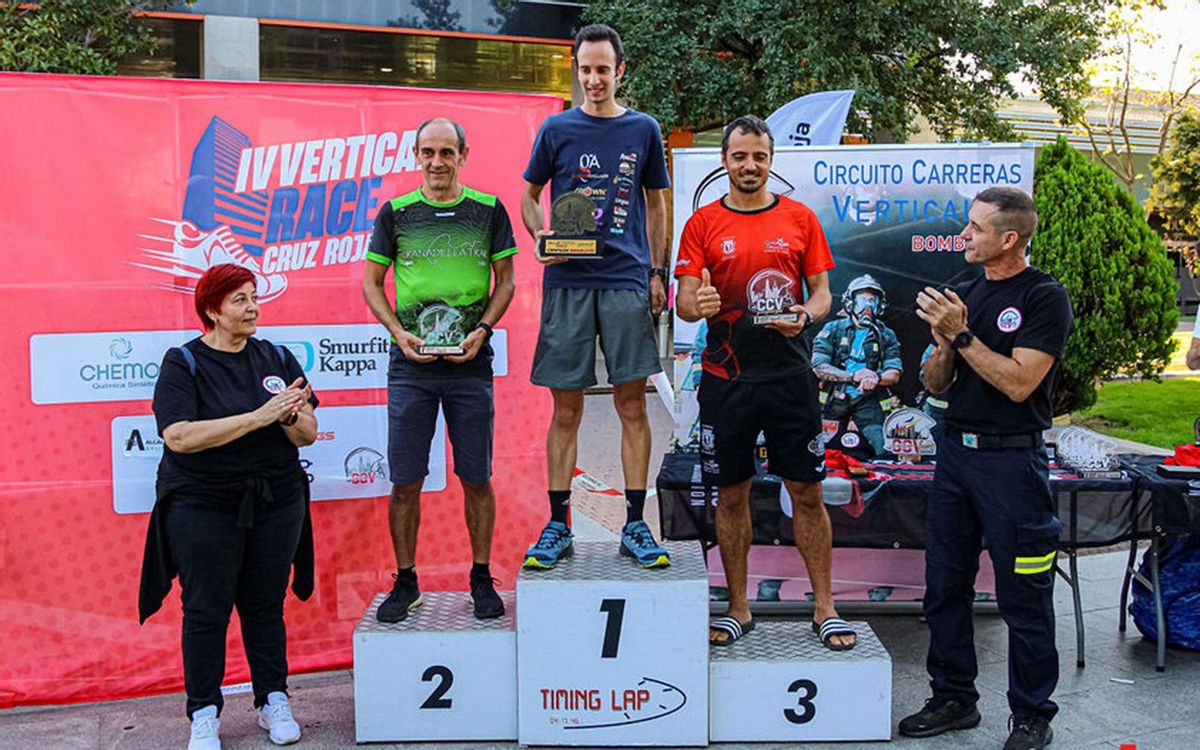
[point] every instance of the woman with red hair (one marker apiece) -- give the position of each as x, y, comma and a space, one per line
231, 516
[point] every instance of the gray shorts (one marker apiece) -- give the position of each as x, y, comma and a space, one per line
412, 420
572, 318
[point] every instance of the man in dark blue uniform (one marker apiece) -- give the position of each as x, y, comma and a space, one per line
998, 340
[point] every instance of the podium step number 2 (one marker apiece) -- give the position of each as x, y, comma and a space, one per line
438, 675
611, 654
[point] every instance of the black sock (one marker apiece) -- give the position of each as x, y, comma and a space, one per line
560, 504
635, 504
409, 573
480, 570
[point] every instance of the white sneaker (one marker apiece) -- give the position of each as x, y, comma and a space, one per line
276, 718
205, 730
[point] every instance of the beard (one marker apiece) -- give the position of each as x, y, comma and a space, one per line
748, 185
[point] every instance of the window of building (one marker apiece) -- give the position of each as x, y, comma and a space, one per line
333, 55
178, 53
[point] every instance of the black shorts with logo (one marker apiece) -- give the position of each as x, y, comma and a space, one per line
786, 411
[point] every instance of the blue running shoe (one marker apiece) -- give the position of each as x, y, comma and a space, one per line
638, 542
553, 545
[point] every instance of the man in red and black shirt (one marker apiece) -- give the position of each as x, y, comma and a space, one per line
744, 262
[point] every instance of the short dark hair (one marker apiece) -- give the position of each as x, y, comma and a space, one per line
1015, 211
747, 124
598, 32
458, 130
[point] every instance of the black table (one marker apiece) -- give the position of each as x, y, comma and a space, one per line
1174, 511
888, 512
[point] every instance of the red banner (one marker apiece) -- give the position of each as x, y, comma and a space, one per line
117, 194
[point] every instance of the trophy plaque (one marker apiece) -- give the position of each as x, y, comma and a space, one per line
573, 219
440, 326
771, 295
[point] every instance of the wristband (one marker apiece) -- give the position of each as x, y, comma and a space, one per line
808, 315
486, 329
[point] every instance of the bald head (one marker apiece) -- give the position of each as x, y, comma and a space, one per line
444, 122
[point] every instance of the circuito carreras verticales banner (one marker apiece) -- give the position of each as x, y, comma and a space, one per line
117, 195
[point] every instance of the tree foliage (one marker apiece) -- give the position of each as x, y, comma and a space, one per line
72, 36
1176, 192
1093, 237
696, 64
1126, 34
435, 14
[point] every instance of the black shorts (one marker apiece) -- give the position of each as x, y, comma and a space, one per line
732, 413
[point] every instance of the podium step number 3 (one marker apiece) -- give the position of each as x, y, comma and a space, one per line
438, 675
611, 654
780, 684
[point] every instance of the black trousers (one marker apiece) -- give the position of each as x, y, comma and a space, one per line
222, 566
1003, 495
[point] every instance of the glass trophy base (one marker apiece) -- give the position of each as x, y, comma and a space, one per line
762, 320
440, 350
572, 246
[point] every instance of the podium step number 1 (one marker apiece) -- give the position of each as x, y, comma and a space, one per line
611, 654
438, 675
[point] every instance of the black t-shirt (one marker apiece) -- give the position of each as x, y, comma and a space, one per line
1027, 311
226, 384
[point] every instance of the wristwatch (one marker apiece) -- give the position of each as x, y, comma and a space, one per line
962, 339
804, 311
486, 329
660, 272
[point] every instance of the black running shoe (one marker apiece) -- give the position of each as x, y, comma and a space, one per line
487, 601
1028, 733
405, 597
939, 715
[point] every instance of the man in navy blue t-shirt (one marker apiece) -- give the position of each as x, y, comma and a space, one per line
613, 156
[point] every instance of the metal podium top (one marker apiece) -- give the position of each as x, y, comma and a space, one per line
787, 641
601, 561
440, 611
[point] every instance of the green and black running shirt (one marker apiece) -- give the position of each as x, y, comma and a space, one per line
441, 255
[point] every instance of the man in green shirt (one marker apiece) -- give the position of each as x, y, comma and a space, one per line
444, 242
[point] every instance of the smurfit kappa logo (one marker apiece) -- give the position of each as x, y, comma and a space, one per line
274, 209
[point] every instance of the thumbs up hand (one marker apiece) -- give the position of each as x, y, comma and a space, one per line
708, 301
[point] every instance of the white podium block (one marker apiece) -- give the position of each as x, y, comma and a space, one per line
780, 684
611, 654
441, 674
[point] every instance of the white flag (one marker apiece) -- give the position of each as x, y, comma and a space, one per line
813, 120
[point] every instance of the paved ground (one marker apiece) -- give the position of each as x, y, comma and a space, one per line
1118, 698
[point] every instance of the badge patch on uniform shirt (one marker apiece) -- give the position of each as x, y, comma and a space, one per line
1009, 320
274, 384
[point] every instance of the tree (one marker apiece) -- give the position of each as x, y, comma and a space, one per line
1093, 237
1175, 195
696, 64
1125, 34
72, 36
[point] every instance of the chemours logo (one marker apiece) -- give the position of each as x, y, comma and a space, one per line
274, 209
68, 368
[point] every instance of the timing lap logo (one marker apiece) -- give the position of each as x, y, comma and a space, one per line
275, 209
274, 384
648, 700
1009, 320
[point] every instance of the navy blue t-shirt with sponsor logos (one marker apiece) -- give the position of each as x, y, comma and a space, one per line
609, 160
226, 384
1027, 311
